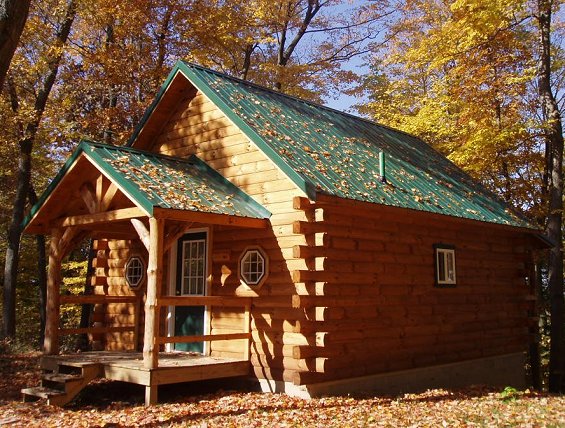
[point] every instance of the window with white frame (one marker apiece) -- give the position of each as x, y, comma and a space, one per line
445, 265
135, 270
253, 265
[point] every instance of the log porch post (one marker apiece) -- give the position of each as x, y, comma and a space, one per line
51, 342
154, 282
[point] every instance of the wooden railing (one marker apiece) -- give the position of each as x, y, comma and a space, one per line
223, 301
210, 301
96, 299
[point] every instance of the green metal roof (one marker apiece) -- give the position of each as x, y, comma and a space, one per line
327, 151
154, 180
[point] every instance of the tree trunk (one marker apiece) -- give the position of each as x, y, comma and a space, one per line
249, 48
23, 177
285, 52
13, 16
554, 136
41, 274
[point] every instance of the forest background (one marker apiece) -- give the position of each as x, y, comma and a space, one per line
482, 81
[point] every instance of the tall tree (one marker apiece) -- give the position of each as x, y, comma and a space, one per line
299, 47
50, 60
13, 15
120, 54
554, 163
458, 74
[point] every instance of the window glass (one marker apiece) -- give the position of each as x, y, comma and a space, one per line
194, 260
134, 271
445, 265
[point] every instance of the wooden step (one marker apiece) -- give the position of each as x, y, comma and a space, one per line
60, 381
53, 396
61, 377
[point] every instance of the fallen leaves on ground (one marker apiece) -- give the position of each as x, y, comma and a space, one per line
113, 404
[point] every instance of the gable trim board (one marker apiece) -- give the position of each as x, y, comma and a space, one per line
142, 187
419, 178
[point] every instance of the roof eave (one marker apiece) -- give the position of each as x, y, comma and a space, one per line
323, 197
34, 210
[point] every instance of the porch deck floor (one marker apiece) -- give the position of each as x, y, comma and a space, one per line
174, 367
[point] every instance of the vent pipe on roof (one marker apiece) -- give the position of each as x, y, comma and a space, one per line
382, 166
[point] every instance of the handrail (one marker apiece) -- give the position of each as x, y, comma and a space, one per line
204, 301
95, 330
227, 301
81, 299
202, 338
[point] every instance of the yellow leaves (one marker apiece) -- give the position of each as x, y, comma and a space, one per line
459, 74
110, 405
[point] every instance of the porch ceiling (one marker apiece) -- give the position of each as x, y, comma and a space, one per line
155, 185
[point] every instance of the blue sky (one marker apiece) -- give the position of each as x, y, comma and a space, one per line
357, 64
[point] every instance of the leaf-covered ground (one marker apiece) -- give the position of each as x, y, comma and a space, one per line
112, 404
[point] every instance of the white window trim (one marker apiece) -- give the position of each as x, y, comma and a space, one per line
443, 251
254, 285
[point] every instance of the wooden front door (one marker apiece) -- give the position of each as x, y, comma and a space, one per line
191, 281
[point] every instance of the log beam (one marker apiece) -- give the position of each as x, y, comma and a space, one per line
108, 197
141, 231
154, 282
211, 218
103, 217
51, 343
88, 195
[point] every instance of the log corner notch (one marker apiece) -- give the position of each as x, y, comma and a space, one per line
302, 204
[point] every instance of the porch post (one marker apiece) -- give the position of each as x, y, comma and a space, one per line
51, 341
154, 282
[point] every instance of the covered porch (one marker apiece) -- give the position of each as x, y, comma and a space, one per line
110, 193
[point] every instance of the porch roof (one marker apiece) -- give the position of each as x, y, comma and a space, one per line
155, 182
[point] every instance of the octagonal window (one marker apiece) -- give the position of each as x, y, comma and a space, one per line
253, 267
135, 269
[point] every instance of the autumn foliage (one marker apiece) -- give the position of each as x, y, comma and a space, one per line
106, 404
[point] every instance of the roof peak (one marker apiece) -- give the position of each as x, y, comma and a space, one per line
292, 97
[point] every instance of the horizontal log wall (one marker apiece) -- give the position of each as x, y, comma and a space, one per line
375, 271
109, 280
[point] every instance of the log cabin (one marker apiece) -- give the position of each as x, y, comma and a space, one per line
244, 232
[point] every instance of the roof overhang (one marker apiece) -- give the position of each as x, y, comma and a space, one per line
139, 192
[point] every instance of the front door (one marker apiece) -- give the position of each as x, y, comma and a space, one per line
191, 281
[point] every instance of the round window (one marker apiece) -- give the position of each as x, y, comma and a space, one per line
135, 270
253, 267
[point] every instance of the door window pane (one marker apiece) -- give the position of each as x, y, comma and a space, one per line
193, 267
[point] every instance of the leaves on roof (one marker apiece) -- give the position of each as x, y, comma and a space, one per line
339, 155
178, 184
